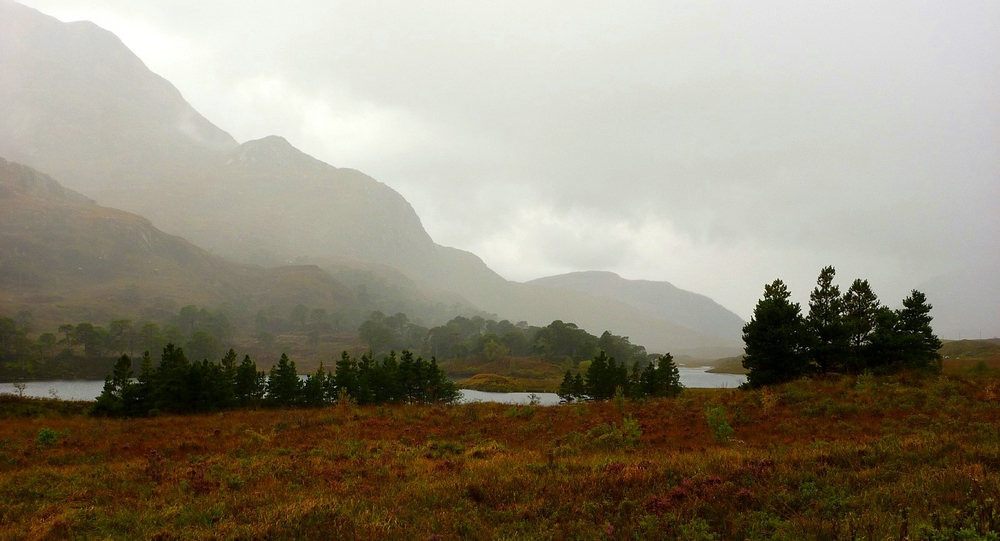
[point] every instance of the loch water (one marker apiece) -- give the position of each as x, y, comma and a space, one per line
692, 377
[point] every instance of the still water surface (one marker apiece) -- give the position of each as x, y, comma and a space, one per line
90, 389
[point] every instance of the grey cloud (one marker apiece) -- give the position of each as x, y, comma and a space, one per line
550, 136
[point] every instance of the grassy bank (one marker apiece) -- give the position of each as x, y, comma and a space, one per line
510, 374
494, 383
848, 458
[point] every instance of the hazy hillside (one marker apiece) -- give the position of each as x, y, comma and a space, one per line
84, 108
67, 259
79, 105
658, 299
291, 205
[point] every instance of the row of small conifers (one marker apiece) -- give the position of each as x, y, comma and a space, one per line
177, 385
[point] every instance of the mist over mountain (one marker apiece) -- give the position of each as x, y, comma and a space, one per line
89, 112
66, 258
79, 105
658, 299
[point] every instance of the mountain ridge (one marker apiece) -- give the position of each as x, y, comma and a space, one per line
262, 202
656, 298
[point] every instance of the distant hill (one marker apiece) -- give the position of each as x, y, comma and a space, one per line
79, 105
68, 259
662, 300
970, 349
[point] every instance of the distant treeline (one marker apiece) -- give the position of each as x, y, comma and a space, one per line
606, 378
850, 333
88, 350
84, 349
177, 385
464, 337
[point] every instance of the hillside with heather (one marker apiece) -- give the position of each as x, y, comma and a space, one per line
66, 258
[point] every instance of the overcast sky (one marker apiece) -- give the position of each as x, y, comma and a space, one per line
714, 145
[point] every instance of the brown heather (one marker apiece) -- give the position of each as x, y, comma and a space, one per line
905, 457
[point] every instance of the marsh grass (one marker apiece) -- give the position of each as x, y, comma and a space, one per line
852, 458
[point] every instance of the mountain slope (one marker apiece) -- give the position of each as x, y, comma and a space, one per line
68, 259
81, 106
658, 299
289, 205
85, 109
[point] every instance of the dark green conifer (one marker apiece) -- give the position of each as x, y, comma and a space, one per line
828, 334
775, 339
283, 385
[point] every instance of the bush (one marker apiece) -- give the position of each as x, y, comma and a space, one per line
48, 437
613, 436
718, 424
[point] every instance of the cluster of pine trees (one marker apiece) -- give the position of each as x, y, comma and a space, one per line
605, 378
177, 385
406, 379
849, 333
465, 337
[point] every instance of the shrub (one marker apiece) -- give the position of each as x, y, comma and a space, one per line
48, 437
613, 436
718, 424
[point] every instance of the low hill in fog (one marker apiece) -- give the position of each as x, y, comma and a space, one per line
68, 259
657, 299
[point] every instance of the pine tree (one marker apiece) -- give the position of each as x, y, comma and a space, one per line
885, 342
250, 384
648, 380
828, 333
919, 344
566, 388
442, 389
345, 377
170, 388
227, 383
668, 377
600, 374
313, 391
579, 387
775, 339
634, 389
283, 385
117, 389
861, 308
142, 403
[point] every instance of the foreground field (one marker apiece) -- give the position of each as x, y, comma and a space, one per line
900, 458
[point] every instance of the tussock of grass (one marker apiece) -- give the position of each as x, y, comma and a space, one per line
840, 458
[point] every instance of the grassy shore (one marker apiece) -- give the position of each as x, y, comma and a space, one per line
871, 458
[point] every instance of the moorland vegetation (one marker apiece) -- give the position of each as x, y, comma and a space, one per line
904, 456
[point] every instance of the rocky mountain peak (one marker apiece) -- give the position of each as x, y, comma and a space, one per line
273, 153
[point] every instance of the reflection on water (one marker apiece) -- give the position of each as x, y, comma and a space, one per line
90, 389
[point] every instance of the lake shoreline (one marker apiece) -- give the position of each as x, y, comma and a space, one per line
89, 390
